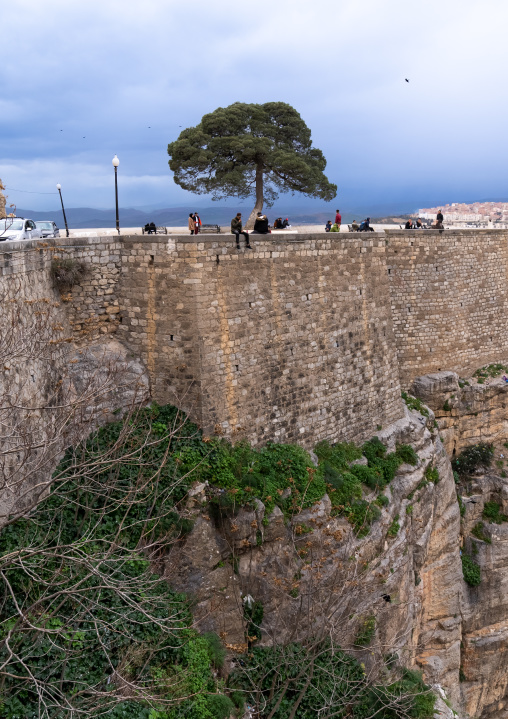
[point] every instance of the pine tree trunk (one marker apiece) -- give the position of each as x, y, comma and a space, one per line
249, 225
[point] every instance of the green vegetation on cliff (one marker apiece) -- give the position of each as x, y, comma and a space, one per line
88, 624
306, 682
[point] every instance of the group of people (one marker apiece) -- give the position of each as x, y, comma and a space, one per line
194, 223
150, 228
410, 225
355, 227
261, 227
336, 225
418, 225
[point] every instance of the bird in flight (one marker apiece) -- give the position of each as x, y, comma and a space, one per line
406, 79
84, 137
149, 127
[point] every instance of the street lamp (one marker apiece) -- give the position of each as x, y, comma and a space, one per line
59, 188
116, 162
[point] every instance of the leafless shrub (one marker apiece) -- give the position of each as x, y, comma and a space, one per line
67, 272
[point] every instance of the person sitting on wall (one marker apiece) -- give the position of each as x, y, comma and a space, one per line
328, 226
261, 224
152, 229
335, 227
365, 226
354, 226
409, 225
236, 229
285, 223
147, 228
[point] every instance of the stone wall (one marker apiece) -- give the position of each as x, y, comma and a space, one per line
305, 337
449, 299
290, 342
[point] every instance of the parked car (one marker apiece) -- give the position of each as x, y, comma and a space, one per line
48, 228
18, 228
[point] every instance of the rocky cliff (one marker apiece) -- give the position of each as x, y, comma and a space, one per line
313, 576
467, 413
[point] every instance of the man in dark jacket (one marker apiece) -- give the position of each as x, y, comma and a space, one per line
236, 229
261, 224
439, 217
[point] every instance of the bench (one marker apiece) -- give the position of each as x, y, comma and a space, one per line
158, 231
210, 229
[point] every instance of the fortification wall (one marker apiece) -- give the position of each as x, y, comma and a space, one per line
303, 338
449, 297
290, 342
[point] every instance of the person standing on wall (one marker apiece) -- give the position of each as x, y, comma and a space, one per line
192, 224
439, 217
338, 219
236, 229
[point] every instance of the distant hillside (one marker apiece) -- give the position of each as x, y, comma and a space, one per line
83, 217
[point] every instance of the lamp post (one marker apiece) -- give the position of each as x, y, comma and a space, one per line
59, 188
116, 162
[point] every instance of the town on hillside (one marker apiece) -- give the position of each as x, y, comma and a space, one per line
473, 212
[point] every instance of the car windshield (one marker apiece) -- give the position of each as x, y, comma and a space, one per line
9, 224
44, 225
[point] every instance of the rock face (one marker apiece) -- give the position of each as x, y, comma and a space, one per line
466, 412
485, 607
313, 576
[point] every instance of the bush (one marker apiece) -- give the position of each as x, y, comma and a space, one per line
219, 706
492, 513
263, 474
478, 456
478, 531
216, 651
344, 487
394, 527
67, 272
340, 455
431, 474
491, 370
361, 514
366, 631
471, 571
278, 677
370, 476
382, 500
387, 464
407, 454
415, 404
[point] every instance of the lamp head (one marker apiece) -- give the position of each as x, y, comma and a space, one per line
115, 161
59, 186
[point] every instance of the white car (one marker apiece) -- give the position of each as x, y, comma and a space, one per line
18, 228
48, 228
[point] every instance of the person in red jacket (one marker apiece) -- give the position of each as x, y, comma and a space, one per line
338, 218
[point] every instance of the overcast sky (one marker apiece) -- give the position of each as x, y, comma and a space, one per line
82, 81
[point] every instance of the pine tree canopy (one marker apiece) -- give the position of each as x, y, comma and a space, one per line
250, 150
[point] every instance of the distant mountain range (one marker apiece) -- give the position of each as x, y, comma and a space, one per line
84, 217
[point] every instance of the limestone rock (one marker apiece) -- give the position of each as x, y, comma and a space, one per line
435, 388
